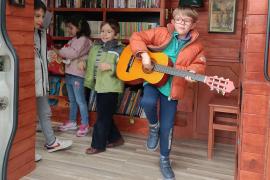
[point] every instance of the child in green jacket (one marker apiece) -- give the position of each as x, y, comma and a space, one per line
101, 77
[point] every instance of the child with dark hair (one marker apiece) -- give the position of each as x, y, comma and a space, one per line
42, 83
100, 77
75, 54
81, 24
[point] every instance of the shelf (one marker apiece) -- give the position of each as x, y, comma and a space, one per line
62, 38
58, 109
106, 9
145, 10
57, 97
77, 9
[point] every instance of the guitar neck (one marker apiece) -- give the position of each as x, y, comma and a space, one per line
177, 72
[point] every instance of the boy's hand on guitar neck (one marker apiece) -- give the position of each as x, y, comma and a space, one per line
146, 61
189, 79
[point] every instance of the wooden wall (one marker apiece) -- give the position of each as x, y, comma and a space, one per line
20, 30
254, 158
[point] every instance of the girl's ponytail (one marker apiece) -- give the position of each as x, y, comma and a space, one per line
84, 28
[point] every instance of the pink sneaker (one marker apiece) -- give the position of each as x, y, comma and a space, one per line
68, 126
83, 130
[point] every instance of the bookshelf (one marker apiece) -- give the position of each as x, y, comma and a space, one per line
146, 11
133, 15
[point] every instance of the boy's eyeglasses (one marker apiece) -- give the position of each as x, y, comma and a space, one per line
186, 22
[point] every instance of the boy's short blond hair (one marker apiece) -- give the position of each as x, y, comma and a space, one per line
186, 11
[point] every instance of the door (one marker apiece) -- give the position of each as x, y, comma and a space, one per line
8, 92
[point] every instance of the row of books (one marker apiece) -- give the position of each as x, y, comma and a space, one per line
98, 3
78, 3
128, 103
133, 3
126, 28
60, 27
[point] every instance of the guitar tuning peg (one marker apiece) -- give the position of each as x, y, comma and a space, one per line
223, 93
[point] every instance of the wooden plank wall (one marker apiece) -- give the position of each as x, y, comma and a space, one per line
20, 30
223, 52
254, 158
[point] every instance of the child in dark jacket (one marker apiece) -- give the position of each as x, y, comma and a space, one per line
100, 77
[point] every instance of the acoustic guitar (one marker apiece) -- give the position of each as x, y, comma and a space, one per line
130, 69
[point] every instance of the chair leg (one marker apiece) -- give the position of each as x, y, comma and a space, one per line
236, 156
236, 148
210, 134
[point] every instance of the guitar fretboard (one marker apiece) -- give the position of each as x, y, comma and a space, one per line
177, 72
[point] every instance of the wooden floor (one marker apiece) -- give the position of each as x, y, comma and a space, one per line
131, 161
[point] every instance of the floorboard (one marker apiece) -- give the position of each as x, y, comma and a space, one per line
131, 161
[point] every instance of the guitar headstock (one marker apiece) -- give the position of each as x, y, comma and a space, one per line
219, 84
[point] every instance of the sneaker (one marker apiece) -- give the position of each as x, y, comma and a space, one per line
83, 130
68, 126
38, 157
58, 145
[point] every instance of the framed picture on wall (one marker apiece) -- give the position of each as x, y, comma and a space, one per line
17, 2
222, 16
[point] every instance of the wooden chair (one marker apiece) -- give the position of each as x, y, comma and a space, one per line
229, 111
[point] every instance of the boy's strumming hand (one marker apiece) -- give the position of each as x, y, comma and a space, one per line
104, 66
146, 61
188, 78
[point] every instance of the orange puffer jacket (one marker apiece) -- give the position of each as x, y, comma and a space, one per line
191, 56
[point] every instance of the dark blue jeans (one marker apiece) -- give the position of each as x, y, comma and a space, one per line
76, 98
151, 97
105, 131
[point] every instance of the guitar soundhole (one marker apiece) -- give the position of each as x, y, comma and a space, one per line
130, 63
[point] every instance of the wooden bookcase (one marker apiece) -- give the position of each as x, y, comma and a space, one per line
103, 13
124, 122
